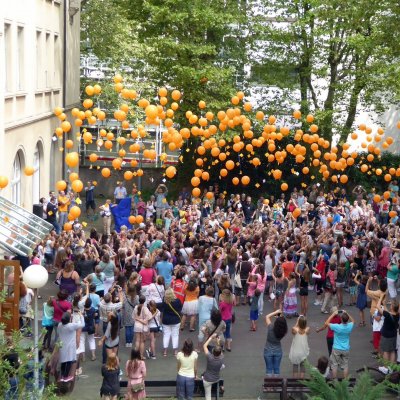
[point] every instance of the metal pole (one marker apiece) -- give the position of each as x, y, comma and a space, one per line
36, 344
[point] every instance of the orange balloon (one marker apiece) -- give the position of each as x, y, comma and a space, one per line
170, 172
75, 211
229, 165
296, 212
209, 195
223, 172
105, 172
72, 159
73, 176
344, 178
61, 185
132, 219
221, 233
388, 177
128, 175
377, 198
235, 180
284, 187
77, 186
29, 171
139, 219
195, 181
196, 192
226, 224
67, 226
245, 180
386, 195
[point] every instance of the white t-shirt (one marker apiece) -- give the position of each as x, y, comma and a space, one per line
377, 325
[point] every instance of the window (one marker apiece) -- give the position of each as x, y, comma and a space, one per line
39, 61
36, 176
16, 180
57, 62
7, 58
47, 61
19, 67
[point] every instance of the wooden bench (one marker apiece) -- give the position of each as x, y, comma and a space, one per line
288, 386
167, 389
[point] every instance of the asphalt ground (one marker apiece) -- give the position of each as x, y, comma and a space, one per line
245, 367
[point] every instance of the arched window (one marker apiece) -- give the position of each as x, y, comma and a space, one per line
36, 176
16, 180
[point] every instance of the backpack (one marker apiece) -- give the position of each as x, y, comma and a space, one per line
89, 320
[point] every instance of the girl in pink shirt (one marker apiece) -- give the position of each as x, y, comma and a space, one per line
252, 282
259, 271
226, 303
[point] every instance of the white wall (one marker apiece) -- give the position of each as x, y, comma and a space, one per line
31, 86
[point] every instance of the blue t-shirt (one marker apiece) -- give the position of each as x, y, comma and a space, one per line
341, 338
165, 268
95, 300
98, 281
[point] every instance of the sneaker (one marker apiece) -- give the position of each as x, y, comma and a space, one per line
384, 370
317, 303
153, 357
147, 353
128, 345
325, 312
78, 372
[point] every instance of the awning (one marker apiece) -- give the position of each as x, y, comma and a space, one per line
20, 230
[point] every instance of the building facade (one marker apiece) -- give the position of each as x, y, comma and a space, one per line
39, 70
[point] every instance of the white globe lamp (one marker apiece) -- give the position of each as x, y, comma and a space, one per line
35, 277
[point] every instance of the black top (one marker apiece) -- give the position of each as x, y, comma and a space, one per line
171, 312
85, 268
390, 325
110, 385
51, 212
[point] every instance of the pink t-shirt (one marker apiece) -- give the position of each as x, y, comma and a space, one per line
251, 288
226, 310
148, 275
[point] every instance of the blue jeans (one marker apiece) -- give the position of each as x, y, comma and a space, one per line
184, 387
273, 361
227, 333
128, 334
12, 392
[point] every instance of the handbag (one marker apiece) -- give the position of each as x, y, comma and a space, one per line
176, 312
137, 387
237, 279
159, 327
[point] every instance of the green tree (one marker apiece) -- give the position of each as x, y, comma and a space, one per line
332, 57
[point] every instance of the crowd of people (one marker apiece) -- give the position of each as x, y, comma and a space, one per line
192, 261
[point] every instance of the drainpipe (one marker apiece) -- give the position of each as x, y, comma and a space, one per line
64, 83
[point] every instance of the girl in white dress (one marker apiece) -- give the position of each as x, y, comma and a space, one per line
299, 349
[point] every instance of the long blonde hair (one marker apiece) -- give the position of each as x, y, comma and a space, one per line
226, 296
169, 296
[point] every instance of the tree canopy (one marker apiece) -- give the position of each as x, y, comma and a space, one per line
341, 55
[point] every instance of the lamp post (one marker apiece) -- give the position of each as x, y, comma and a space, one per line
35, 277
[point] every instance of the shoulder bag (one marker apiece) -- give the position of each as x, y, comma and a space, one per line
176, 312
237, 279
159, 327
